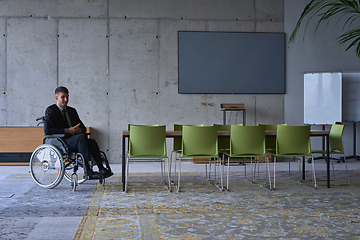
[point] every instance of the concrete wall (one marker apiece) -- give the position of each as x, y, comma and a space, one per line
119, 60
317, 53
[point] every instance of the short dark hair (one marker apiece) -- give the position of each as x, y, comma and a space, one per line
61, 89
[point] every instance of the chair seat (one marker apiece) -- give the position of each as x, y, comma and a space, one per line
200, 156
293, 154
147, 156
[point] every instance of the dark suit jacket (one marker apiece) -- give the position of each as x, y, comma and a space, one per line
55, 123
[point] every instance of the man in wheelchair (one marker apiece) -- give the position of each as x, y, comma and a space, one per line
62, 119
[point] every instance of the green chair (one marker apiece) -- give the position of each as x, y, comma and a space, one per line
147, 143
270, 141
293, 141
177, 142
224, 149
336, 145
198, 142
248, 141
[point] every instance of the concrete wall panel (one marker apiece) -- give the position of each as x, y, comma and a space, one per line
174, 107
134, 86
40, 8
269, 10
269, 108
231, 26
183, 9
83, 61
270, 27
31, 68
2, 73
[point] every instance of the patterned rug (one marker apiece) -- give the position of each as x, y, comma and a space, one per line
201, 211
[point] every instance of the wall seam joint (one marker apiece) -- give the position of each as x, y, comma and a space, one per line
6, 71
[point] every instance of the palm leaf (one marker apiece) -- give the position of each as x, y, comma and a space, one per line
331, 11
354, 37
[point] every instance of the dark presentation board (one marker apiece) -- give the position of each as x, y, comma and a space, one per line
231, 62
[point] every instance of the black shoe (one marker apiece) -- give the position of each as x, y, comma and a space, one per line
106, 173
95, 176
90, 174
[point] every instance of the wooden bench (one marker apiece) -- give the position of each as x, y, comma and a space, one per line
22, 140
19, 140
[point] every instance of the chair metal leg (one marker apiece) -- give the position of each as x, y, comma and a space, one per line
228, 174
215, 169
170, 163
313, 167
258, 172
332, 164
169, 170
217, 161
127, 173
299, 170
244, 161
252, 172
289, 167
274, 170
268, 170
209, 170
163, 163
179, 175
162, 168
347, 174
222, 171
206, 173
177, 158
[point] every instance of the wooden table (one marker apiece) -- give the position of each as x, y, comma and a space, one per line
175, 134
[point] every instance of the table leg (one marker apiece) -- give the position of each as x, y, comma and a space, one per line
224, 117
244, 117
303, 168
123, 163
328, 160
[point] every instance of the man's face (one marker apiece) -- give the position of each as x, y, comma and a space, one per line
62, 99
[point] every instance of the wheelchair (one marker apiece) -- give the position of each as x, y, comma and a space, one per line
52, 161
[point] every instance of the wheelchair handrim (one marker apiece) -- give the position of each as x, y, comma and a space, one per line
44, 166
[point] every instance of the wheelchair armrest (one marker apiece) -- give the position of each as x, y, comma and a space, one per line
54, 136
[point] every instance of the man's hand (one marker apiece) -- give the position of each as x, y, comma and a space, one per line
74, 130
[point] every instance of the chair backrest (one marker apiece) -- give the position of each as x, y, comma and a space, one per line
293, 141
270, 142
247, 141
200, 142
335, 137
178, 141
147, 141
137, 125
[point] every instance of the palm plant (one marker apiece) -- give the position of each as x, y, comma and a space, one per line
327, 11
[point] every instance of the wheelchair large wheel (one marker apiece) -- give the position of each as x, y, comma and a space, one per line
47, 166
80, 170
